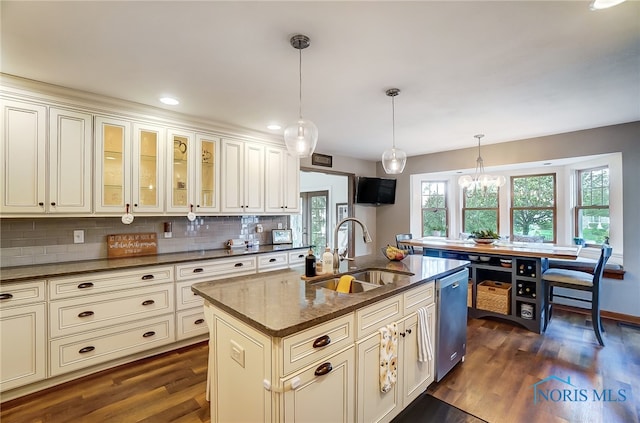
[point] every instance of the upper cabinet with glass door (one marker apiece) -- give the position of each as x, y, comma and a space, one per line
207, 174
148, 169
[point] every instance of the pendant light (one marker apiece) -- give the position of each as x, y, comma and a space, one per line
301, 136
394, 160
480, 179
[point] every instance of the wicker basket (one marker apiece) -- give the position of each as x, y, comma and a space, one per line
494, 296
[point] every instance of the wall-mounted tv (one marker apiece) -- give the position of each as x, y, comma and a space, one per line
376, 191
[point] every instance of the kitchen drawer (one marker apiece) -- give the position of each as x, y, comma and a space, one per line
420, 296
297, 257
185, 297
217, 269
87, 349
273, 261
95, 283
190, 323
76, 315
16, 294
370, 319
299, 350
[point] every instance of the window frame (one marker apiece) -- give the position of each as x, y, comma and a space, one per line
576, 210
464, 209
554, 209
445, 208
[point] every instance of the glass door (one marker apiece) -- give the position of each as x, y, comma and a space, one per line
148, 188
207, 180
113, 168
314, 220
179, 166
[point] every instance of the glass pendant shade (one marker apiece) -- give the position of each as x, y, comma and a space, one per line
301, 138
393, 161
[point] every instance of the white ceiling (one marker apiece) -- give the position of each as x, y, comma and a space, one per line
508, 69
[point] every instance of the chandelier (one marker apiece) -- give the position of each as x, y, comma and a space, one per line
480, 179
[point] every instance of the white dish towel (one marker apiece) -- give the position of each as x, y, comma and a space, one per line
425, 352
388, 356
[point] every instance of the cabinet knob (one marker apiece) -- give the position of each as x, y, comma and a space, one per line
272, 260
148, 302
323, 369
408, 330
41, 204
53, 203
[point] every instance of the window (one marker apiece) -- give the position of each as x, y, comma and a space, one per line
533, 206
592, 209
434, 207
480, 209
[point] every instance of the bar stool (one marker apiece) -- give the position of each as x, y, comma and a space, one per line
581, 281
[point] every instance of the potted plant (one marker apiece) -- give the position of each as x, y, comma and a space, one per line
437, 230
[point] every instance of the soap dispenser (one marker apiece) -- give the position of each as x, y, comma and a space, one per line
327, 261
310, 264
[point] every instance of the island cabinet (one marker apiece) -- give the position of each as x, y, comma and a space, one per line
327, 372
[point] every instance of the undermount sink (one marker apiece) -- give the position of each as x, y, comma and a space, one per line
365, 280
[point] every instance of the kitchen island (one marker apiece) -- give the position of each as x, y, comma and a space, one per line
285, 349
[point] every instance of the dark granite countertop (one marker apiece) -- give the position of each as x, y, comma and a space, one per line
43, 271
280, 303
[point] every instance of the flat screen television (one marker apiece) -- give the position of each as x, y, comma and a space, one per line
376, 191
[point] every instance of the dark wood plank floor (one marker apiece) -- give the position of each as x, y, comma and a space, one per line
495, 383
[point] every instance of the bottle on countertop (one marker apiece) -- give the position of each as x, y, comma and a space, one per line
310, 264
327, 261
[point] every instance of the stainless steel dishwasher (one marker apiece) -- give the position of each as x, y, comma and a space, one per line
451, 329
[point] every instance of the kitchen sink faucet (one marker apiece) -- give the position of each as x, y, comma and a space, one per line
365, 236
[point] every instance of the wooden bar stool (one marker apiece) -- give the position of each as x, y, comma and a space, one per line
581, 281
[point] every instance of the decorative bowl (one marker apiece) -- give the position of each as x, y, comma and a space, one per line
399, 254
484, 241
505, 262
473, 258
485, 258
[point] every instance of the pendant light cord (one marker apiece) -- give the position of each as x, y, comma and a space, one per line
393, 121
300, 72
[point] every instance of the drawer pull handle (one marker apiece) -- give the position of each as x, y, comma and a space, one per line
199, 322
85, 285
238, 265
272, 260
148, 302
323, 341
86, 314
198, 270
323, 369
86, 349
148, 334
300, 255
147, 277
6, 296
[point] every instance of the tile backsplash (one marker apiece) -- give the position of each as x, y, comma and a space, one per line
25, 242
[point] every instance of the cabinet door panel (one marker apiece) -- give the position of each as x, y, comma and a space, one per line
22, 157
22, 344
207, 174
148, 168
180, 184
254, 177
112, 165
69, 161
324, 398
417, 375
274, 180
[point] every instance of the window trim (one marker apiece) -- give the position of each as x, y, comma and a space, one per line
445, 208
463, 209
578, 207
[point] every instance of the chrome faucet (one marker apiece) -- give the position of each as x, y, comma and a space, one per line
365, 236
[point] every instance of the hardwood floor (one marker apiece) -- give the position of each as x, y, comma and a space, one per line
495, 383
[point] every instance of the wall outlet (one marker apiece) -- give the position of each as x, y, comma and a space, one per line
78, 236
279, 225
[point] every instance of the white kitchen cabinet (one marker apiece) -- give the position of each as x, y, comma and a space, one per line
282, 181
413, 376
45, 174
273, 261
322, 393
242, 174
193, 173
22, 334
148, 182
112, 170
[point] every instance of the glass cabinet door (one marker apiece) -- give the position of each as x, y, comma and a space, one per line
112, 165
207, 173
179, 167
148, 186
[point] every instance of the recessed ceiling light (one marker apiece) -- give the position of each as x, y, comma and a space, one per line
169, 101
274, 126
604, 4
547, 164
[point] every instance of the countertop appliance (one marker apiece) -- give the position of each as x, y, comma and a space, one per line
451, 330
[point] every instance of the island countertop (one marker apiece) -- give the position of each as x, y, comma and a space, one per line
280, 303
